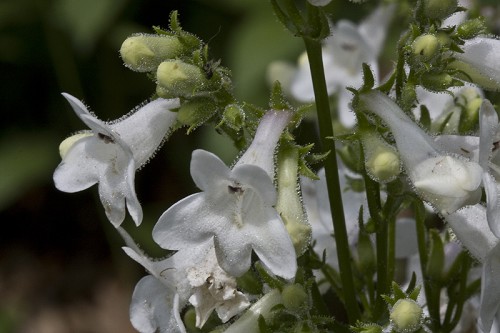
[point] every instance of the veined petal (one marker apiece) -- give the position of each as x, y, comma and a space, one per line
258, 180
467, 146
490, 289
207, 170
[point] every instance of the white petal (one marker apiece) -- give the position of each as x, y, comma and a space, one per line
208, 171
492, 203
490, 289
374, 27
470, 225
256, 178
155, 308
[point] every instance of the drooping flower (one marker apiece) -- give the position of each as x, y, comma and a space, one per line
343, 56
445, 180
190, 275
236, 208
110, 154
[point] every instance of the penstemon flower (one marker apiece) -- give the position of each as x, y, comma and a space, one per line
236, 208
190, 275
445, 180
110, 154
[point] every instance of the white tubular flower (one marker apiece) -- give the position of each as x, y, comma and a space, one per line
343, 55
189, 275
235, 209
446, 181
111, 153
480, 61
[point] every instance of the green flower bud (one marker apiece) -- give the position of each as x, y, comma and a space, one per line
143, 53
425, 46
381, 160
178, 79
294, 296
194, 113
67, 143
471, 28
439, 9
406, 316
289, 203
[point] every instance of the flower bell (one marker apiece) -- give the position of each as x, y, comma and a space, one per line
236, 208
110, 154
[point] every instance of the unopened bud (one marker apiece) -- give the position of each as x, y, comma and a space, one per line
471, 28
406, 315
439, 9
294, 296
425, 46
381, 160
178, 79
67, 143
143, 53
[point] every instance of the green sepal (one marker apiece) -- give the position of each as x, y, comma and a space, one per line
435, 263
425, 117
397, 292
368, 80
415, 292
273, 282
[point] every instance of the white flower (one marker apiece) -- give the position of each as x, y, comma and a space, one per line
111, 153
189, 275
480, 61
445, 180
343, 55
236, 208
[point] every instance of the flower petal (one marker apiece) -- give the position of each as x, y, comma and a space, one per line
492, 203
207, 170
488, 125
258, 180
155, 308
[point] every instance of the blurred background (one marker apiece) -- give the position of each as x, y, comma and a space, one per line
61, 264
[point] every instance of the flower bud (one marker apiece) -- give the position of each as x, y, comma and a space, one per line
294, 296
406, 315
439, 9
67, 143
143, 53
425, 46
471, 28
178, 79
289, 203
381, 160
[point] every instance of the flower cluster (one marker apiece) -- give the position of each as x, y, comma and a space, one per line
287, 240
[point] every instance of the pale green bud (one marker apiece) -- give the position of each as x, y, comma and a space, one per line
425, 46
406, 315
294, 296
289, 203
67, 143
178, 79
382, 161
439, 9
143, 53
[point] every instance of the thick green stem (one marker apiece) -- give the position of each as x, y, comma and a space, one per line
313, 49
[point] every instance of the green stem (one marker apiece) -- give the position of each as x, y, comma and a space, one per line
313, 48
